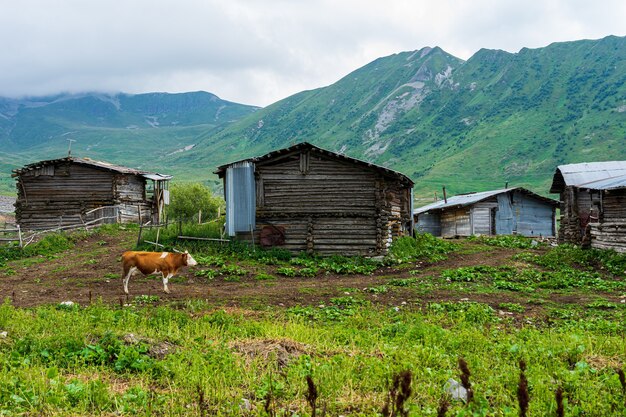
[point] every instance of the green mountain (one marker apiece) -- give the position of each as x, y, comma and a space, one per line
470, 125
134, 130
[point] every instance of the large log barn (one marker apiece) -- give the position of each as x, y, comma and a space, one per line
305, 198
593, 207
61, 192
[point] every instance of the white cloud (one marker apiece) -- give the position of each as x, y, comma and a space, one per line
256, 51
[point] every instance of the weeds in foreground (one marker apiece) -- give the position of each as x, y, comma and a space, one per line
398, 395
560, 408
68, 366
465, 379
523, 398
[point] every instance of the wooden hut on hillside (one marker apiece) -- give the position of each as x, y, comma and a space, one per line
497, 212
62, 192
305, 198
583, 189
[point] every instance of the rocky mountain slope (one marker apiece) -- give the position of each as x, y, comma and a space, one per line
470, 125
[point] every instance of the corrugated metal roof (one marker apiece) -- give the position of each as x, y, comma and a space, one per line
472, 198
606, 184
586, 172
305, 145
93, 163
460, 200
157, 176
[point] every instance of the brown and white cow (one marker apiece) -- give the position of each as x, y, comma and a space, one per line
153, 262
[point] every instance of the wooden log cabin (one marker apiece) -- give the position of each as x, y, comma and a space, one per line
496, 212
305, 198
581, 204
62, 192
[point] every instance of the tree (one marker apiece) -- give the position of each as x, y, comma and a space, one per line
187, 199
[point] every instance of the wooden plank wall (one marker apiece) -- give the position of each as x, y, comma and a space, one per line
50, 198
610, 231
456, 222
481, 217
328, 206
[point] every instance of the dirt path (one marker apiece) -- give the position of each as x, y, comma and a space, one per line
92, 271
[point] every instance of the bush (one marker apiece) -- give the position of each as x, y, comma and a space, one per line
507, 241
188, 199
423, 247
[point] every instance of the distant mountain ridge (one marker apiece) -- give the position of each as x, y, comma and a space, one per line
470, 125
135, 130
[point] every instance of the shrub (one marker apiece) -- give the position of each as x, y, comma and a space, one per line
286, 271
423, 246
507, 241
188, 199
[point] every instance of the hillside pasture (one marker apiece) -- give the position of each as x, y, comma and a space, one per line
241, 332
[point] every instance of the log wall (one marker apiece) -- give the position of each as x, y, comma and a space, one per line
329, 206
609, 232
59, 195
575, 210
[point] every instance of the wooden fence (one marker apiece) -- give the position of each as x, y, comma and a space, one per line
93, 218
11, 234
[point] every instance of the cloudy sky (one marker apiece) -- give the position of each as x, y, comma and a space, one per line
260, 51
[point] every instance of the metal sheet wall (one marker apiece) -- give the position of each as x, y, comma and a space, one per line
519, 213
429, 223
505, 223
532, 217
240, 192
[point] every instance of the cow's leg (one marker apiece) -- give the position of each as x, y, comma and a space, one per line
127, 274
165, 280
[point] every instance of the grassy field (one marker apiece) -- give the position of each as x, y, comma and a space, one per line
558, 313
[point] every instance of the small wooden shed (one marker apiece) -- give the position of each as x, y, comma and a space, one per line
581, 204
497, 212
64, 192
305, 198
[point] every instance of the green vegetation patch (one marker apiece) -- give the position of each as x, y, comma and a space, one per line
193, 359
508, 241
423, 246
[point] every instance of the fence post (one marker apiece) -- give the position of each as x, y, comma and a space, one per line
200, 217
19, 234
139, 236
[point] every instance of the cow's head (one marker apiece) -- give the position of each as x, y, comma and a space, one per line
189, 261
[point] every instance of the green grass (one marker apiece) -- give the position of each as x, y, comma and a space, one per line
190, 358
423, 247
136, 360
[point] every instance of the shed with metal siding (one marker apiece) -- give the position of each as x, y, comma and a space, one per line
61, 192
496, 212
311, 199
579, 200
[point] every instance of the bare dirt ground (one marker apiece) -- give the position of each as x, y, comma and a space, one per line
91, 271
